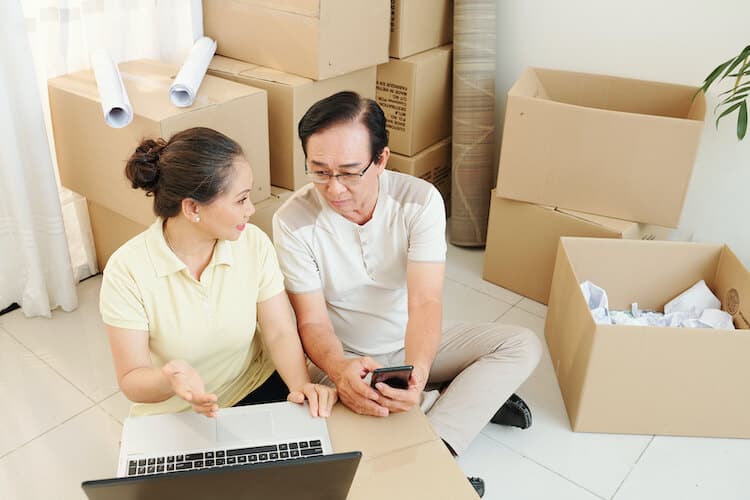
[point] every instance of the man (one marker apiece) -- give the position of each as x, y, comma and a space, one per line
363, 253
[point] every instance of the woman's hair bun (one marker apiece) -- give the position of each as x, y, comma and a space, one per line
142, 168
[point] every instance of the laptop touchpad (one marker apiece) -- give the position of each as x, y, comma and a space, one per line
255, 426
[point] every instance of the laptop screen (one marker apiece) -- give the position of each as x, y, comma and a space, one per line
327, 477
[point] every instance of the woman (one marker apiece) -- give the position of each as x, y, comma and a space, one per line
180, 300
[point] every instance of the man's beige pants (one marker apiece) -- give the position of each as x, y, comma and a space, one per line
484, 363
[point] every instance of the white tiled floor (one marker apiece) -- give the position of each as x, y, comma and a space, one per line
63, 414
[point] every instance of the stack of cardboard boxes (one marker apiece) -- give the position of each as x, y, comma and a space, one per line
274, 60
586, 155
579, 144
298, 52
91, 156
414, 89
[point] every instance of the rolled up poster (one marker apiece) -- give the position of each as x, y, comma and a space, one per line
185, 87
115, 103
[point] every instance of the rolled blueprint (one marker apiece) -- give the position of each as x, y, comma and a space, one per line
115, 103
185, 87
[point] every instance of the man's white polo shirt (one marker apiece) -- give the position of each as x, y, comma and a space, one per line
361, 269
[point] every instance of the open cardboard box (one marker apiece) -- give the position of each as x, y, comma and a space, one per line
649, 380
600, 144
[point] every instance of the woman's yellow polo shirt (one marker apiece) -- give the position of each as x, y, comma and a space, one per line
209, 323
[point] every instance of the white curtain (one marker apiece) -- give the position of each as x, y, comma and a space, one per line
41, 39
35, 268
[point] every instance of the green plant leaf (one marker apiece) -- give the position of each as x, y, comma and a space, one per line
731, 99
726, 112
711, 77
736, 61
742, 121
738, 79
740, 88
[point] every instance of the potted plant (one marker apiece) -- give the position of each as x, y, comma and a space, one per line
734, 99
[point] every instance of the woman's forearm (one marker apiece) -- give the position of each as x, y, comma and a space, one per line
146, 385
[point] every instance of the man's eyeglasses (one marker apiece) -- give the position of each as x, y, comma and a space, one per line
321, 177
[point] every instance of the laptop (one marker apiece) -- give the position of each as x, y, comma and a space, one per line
274, 450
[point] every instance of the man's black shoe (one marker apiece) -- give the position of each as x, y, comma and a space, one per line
514, 412
478, 484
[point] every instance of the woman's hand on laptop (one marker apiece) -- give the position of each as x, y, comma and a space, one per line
188, 384
320, 398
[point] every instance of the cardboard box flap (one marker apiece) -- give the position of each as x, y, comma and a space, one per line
428, 55
397, 471
616, 225
226, 66
385, 435
276, 76
309, 8
732, 285
624, 95
570, 355
229, 66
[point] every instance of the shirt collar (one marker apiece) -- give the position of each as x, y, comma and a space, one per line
166, 262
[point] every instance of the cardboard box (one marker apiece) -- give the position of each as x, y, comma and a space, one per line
415, 94
111, 229
600, 144
432, 164
419, 25
317, 39
649, 380
91, 156
399, 451
289, 97
522, 242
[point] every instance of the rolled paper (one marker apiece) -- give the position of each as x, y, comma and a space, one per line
185, 87
114, 98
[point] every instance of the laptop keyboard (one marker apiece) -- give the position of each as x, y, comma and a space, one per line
224, 457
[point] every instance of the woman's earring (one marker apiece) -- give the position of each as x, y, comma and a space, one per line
197, 219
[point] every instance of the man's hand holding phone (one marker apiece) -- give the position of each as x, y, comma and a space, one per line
353, 391
400, 387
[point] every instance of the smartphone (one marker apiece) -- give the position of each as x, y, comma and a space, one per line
395, 376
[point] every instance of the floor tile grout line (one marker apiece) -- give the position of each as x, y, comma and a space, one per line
632, 467
99, 405
530, 312
48, 431
483, 292
523, 455
52, 368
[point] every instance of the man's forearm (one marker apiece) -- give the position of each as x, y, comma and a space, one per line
323, 347
423, 331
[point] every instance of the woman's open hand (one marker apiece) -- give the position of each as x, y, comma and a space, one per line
188, 384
